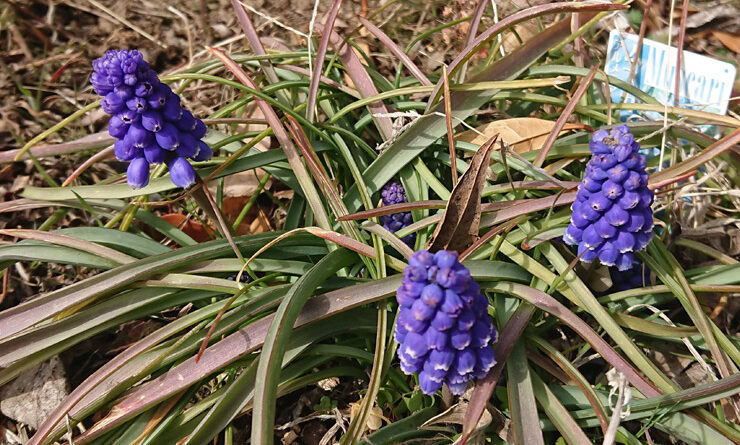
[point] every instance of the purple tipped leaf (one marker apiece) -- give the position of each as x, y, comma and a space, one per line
364, 83
397, 51
318, 66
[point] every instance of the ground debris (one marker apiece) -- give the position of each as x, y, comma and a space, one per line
31, 397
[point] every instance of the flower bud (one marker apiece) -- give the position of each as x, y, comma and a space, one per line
137, 173
126, 151
204, 152
154, 154
181, 172
393, 193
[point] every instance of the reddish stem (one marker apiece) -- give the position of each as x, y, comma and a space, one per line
679, 54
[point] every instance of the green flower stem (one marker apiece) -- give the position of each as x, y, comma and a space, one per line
63, 123
252, 200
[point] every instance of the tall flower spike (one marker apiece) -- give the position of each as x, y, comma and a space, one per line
612, 218
393, 193
443, 326
148, 119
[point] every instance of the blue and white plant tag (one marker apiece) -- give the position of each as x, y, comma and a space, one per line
706, 83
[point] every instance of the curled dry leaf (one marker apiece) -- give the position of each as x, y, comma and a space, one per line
596, 276
522, 134
240, 184
461, 218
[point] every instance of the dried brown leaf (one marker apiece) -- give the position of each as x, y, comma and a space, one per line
522, 134
521, 33
461, 218
196, 230
596, 276
731, 41
240, 184
456, 415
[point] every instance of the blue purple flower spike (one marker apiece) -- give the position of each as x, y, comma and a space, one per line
612, 217
393, 193
148, 121
443, 327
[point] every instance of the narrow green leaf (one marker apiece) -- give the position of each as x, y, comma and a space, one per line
402, 430
60, 239
521, 399
240, 393
277, 336
36, 251
109, 282
557, 413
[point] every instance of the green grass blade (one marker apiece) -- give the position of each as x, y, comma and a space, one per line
277, 336
27, 314
521, 399
557, 413
240, 393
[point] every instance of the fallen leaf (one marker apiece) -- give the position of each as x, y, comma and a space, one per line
731, 41
255, 221
240, 184
685, 371
456, 415
522, 134
260, 224
283, 194
194, 229
231, 206
524, 32
19, 182
461, 218
596, 276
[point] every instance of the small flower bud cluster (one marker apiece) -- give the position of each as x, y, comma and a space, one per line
148, 121
245, 278
393, 193
638, 276
443, 327
612, 217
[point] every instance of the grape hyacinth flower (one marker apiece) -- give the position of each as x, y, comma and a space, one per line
612, 217
638, 276
443, 327
393, 193
148, 121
